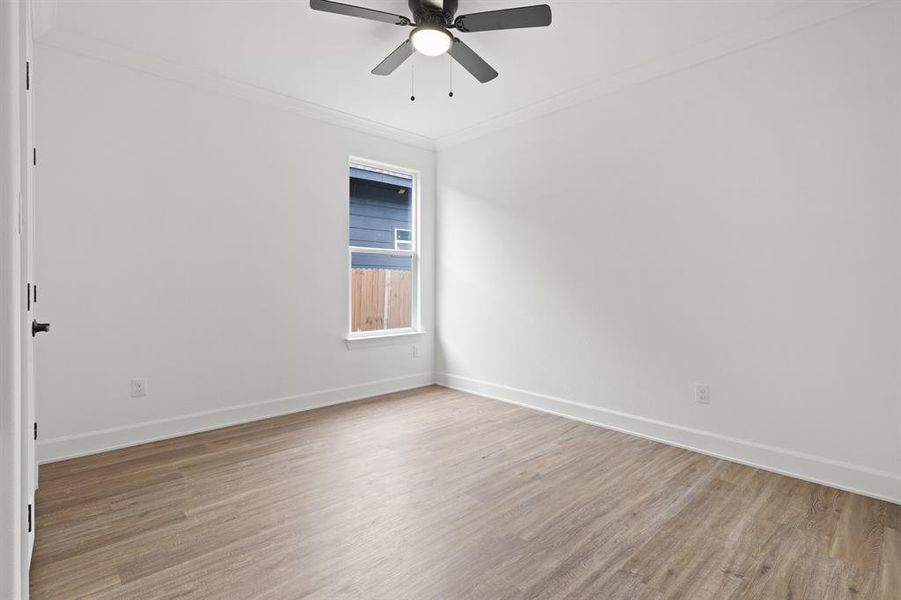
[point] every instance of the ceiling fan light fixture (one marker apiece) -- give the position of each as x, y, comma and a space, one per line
433, 21
431, 41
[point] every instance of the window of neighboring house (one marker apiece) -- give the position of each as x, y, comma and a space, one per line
384, 290
403, 239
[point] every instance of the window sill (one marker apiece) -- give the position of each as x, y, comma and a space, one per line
381, 338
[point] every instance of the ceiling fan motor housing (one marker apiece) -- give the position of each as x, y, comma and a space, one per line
427, 14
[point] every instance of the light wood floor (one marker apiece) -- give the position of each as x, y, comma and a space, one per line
435, 494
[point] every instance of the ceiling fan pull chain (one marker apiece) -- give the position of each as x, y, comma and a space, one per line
450, 70
413, 80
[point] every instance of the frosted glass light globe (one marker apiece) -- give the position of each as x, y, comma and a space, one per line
431, 41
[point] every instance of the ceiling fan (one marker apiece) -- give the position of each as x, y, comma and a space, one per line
431, 30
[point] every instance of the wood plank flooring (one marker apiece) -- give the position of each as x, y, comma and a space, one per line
436, 494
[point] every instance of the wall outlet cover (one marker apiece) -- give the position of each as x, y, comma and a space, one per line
138, 388
702, 394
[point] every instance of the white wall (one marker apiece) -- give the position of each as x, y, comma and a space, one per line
197, 240
735, 224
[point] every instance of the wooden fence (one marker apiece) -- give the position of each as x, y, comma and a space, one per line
380, 297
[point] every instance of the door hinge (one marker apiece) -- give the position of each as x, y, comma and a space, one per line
29, 518
35, 430
28, 301
35, 288
34, 159
27, 75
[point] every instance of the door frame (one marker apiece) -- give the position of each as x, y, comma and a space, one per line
16, 445
11, 515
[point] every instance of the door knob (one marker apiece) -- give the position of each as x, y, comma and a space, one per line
37, 328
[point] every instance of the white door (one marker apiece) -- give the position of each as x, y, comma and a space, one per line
29, 294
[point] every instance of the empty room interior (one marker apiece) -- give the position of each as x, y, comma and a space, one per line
450, 299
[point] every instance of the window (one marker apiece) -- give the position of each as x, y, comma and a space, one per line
384, 290
403, 239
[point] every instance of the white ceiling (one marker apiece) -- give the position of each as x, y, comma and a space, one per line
325, 59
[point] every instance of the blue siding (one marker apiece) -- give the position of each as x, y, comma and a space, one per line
379, 204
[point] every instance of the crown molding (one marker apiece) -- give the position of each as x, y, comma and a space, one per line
801, 17
89, 47
784, 23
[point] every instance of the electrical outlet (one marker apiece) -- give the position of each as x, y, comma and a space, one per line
138, 388
702, 394
415, 351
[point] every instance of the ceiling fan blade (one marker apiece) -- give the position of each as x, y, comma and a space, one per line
471, 61
394, 60
358, 11
509, 18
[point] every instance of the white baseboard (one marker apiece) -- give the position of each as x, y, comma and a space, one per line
850, 477
70, 446
842, 475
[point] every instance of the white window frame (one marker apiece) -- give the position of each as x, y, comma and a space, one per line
413, 253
